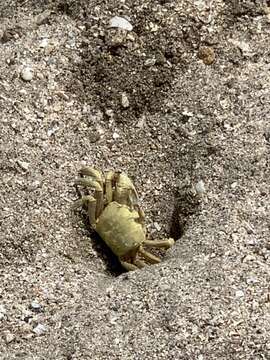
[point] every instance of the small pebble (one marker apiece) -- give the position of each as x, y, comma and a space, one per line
248, 258
157, 226
40, 329
200, 188
9, 337
43, 18
23, 92
187, 113
121, 23
43, 43
62, 95
34, 185
150, 62
26, 316
26, 329
35, 306
239, 294
207, 55
27, 74
115, 136
53, 129
252, 280
125, 101
141, 122
109, 112
244, 47
94, 136
234, 185
23, 165
2, 312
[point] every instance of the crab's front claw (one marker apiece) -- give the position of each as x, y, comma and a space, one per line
90, 203
125, 192
93, 184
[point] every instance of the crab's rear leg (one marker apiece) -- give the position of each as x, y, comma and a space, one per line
128, 266
89, 182
148, 256
165, 243
90, 202
137, 264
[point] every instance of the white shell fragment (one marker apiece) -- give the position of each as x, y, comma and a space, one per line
121, 23
40, 329
27, 74
9, 337
200, 188
43, 43
35, 306
23, 165
124, 100
115, 136
2, 312
157, 226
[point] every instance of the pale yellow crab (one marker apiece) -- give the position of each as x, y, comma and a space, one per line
114, 213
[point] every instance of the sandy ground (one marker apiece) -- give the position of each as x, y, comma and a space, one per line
180, 100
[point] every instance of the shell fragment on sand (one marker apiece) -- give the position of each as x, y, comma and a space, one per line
121, 23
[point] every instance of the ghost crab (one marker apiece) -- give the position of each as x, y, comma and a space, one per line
115, 214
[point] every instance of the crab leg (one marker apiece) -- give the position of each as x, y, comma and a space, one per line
166, 243
93, 173
109, 187
90, 202
92, 205
98, 192
141, 214
133, 196
128, 266
148, 256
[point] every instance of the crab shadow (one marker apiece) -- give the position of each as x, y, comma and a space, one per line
186, 206
176, 230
